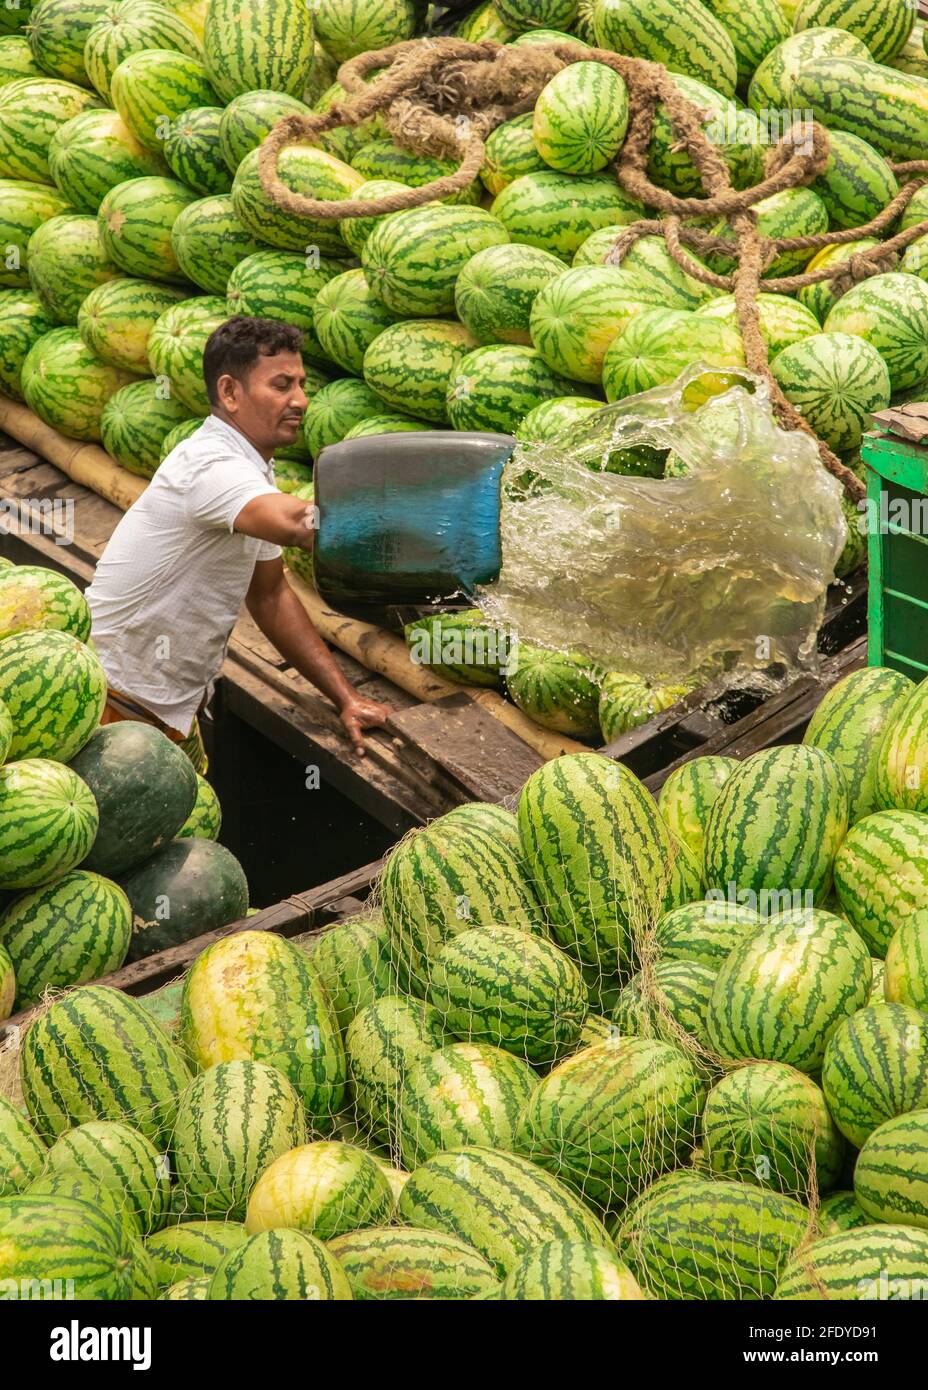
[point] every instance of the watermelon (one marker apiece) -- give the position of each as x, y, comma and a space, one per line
903, 754
485, 23
67, 933
577, 315
192, 151
881, 874
304, 170
557, 212
282, 285
23, 1153
192, 1249
658, 344
382, 1042
388, 1262
520, 15
883, 25
154, 86
178, 435
323, 1189
496, 289
71, 1073
773, 86
783, 321
785, 989
356, 230
820, 297
856, 183
135, 221
235, 1119
144, 788
119, 1158
23, 320
777, 824
877, 1263
839, 1212
891, 1172
493, 388
462, 1094
23, 208
849, 725
835, 381
580, 119
205, 820
32, 109
134, 424
129, 28
885, 107
66, 261
669, 1002
353, 961
536, 1014
499, 1203
32, 597
559, 690
385, 424
16, 58
209, 241
768, 1124
346, 29
57, 32
176, 343
461, 646
754, 27
688, 795
383, 160
653, 263
794, 212
93, 153
263, 47
186, 1290
248, 118
54, 688
115, 319
438, 240
347, 318
7, 986
346, 141
276, 1011
549, 419
738, 136
59, 825
905, 976
203, 885
686, 39
912, 57
569, 1269
704, 932
334, 409
447, 879
510, 152
875, 1067
692, 1238
278, 1265
66, 1246
410, 365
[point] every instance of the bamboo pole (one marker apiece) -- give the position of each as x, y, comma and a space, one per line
375, 649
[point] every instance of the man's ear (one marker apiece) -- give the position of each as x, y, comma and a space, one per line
227, 391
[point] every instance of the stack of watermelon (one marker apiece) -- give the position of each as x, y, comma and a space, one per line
605, 1048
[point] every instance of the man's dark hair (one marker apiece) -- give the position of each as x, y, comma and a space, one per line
235, 346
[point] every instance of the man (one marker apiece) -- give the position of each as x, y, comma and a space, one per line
205, 536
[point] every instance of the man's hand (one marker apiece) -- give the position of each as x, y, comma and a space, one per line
356, 714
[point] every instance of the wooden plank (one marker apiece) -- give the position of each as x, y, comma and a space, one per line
486, 759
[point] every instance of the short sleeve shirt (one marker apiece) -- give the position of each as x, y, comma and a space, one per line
173, 578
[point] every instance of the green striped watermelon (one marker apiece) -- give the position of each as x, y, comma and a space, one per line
248, 118
557, 212
323, 1189
669, 1001
347, 317
93, 153
235, 1119
385, 160
129, 28
346, 27
856, 183
462, 1094
279, 1265
275, 1012
71, 1072
192, 1249
685, 39
610, 1119
510, 152
283, 285
178, 435
209, 242
688, 795
905, 976
794, 212
16, 58
875, 1067
69, 1182
835, 381
356, 230
33, 597
656, 346
7, 986
410, 364
462, 646
66, 261
653, 263
192, 151
581, 117
68, 1242
22, 1153
388, 1262
67, 933
912, 57
412, 259
876, 1263
569, 1269
768, 1124
494, 388
386, 424
353, 960
891, 1172
902, 756
135, 220
334, 409
304, 170
840, 1212
498, 1203
509, 988
551, 418
786, 988
577, 315
23, 208
119, 1158
151, 88
115, 320
497, 287
54, 688
783, 321
346, 141
849, 725
176, 343
754, 27
48, 820
32, 109
885, 107
773, 86
521, 15
134, 424
205, 820
263, 47
777, 824
382, 1042
484, 23
693, 1238
704, 932
57, 31
559, 690
883, 25
881, 874
738, 137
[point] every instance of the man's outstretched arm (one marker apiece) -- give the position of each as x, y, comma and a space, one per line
285, 623
278, 517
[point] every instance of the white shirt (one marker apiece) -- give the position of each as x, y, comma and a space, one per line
172, 580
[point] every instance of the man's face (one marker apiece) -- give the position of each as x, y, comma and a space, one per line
268, 406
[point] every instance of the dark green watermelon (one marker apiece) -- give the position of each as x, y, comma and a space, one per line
145, 788
189, 887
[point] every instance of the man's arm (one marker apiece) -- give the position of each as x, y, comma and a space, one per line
280, 518
284, 622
